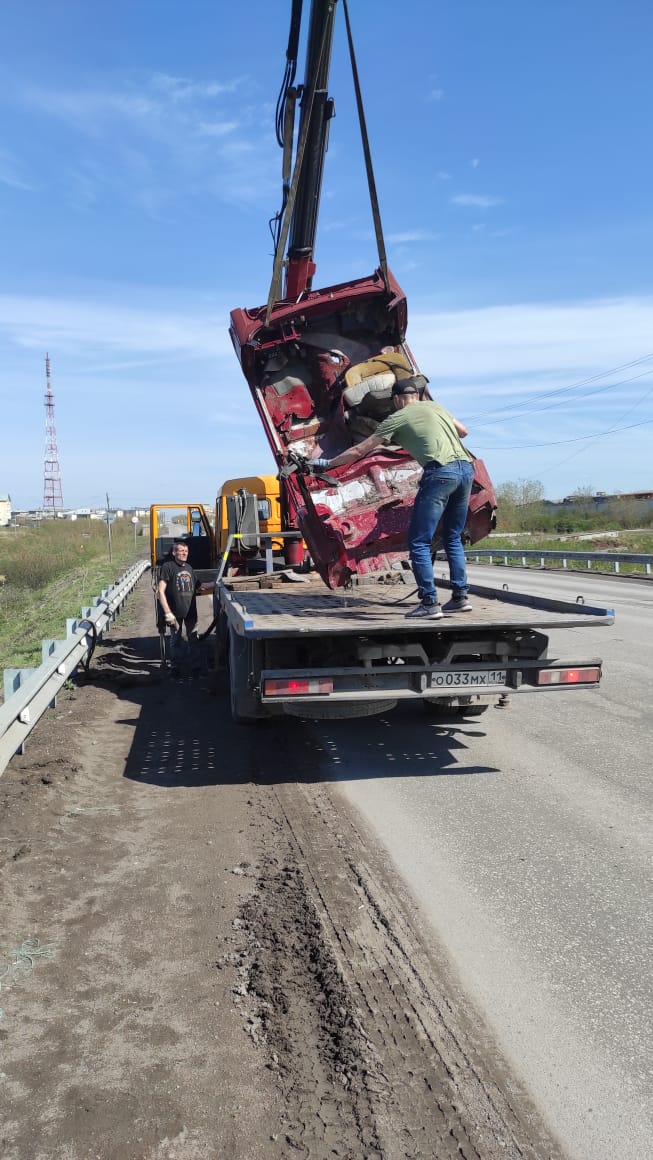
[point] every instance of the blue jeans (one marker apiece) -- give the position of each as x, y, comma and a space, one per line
443, 494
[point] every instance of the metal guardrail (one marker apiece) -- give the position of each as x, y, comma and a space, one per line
493, 555
29, 692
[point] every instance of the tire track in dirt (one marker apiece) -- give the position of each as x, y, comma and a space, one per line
345, 992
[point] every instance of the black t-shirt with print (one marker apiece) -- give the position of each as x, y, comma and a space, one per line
180, 588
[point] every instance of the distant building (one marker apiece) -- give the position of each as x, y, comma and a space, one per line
601, 497
642, 500
5, 511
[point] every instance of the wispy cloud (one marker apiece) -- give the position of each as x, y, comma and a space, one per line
475, 162
339, 225
10, 173
73, 326
534, 338
408, 236
157, 105
492, 366
89, 110
435, 92
217, 128
161, 139
183, 89
476, 200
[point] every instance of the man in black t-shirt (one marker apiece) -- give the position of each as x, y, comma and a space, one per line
176, 588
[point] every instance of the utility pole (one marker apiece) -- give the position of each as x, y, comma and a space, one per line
109, 529
52, 492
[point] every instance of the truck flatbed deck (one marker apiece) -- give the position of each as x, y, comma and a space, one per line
311, 609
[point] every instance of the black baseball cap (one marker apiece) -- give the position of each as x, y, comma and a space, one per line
405, 387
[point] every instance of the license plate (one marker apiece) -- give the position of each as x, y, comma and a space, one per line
468, 679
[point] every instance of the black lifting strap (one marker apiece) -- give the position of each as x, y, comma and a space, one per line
374, 201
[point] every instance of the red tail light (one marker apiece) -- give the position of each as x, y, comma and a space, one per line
293, 688
588, 676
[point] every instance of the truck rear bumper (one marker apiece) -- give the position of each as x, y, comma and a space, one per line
403, 682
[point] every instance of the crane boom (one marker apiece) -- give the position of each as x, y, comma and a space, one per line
317, 109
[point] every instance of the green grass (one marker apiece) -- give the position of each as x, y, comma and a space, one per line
640, 541
51, 572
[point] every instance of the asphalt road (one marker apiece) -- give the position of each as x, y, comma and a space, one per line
525, 837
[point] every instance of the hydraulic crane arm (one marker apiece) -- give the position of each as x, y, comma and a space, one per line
301, 193
316, 114
301, 197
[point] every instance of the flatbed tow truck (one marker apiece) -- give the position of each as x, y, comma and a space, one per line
290, 645
320, 365
301, 649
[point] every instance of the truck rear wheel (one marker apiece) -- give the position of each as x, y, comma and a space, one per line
244, 706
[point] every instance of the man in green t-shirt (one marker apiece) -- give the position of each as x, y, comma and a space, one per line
433, 437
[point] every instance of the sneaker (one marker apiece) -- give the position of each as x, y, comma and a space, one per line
457, 604
430, 611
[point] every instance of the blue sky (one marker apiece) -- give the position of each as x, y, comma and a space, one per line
139, 169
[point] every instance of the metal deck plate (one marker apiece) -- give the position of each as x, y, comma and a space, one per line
319, 611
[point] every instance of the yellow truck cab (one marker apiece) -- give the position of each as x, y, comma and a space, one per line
230, 515
188, 521
248, 510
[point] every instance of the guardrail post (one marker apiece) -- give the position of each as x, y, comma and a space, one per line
14, 678
616, 565
564, 561
47, 649
523, 561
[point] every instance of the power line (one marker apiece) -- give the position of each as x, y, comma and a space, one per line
551, 406
576, 439
572, 387
628, 411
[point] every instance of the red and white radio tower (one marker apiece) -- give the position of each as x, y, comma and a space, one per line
52, 493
